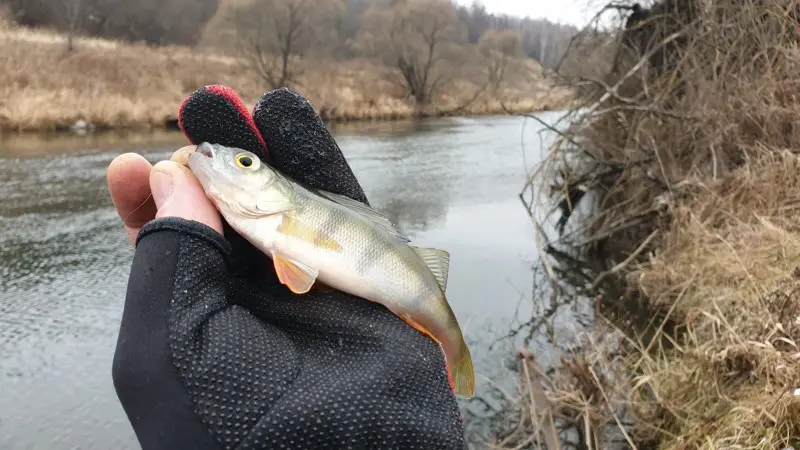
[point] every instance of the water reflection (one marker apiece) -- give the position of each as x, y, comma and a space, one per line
64, 261
403, 180
393, 129
19, 145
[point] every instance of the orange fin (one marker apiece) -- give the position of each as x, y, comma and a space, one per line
297, 276
417, 326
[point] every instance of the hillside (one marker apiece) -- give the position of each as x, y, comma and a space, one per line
125, 85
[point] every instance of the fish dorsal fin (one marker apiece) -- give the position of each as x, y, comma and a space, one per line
438, 261
374, 216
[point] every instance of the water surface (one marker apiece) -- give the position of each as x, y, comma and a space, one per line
64, 259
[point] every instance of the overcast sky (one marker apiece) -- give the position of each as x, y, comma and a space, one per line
573, 12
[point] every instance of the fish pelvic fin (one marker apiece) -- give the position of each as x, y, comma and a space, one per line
298, 277
460, 374
438, 262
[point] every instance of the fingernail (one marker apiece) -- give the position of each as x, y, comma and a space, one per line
161, 186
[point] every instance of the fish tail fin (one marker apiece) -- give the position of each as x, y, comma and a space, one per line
460, 372
463, 375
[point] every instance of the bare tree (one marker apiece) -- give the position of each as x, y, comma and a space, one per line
153, 21
74, 12
412, 36
67, 15
272, 36
500, 47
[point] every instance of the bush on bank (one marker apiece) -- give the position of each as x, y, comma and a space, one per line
689, 145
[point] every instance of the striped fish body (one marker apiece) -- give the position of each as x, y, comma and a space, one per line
320, 236
346, 246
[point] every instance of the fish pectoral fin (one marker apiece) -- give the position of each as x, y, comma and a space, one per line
438, 262
298, 277
374, 216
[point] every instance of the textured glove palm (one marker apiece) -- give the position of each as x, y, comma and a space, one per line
214, 352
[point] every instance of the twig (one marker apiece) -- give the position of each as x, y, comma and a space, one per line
591, 26
625, 263
549, 127
536, 390
632, 104
639, 64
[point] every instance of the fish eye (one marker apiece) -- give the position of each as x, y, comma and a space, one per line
245, 161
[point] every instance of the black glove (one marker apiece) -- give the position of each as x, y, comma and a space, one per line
214, 352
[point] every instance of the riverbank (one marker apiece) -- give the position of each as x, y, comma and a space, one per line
114, 85
693, 251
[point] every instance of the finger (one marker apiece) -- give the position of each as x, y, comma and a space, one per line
128, 183
177, 193
217, 114
181, 156
301, 146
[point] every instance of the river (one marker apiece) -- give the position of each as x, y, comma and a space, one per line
64, 260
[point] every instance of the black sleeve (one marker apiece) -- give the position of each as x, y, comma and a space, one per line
147, 382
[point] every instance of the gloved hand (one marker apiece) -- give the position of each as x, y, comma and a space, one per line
214, 352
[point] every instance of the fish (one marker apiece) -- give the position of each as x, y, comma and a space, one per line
315, 236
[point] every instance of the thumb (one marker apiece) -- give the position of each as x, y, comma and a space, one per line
177, 193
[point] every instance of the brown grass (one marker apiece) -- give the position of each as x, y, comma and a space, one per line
729, 271
697, 173
116, 85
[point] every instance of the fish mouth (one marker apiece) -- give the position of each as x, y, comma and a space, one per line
201, 162
206, 150
208, 166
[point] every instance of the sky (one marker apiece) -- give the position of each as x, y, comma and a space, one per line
572, 12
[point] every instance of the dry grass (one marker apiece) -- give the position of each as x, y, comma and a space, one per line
116, 85
696, 170
729, 272
105, 83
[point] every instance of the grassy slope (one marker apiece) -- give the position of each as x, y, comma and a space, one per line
121, 85
728, 272
714, 175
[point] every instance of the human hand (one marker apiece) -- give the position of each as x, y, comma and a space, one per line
214, 352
